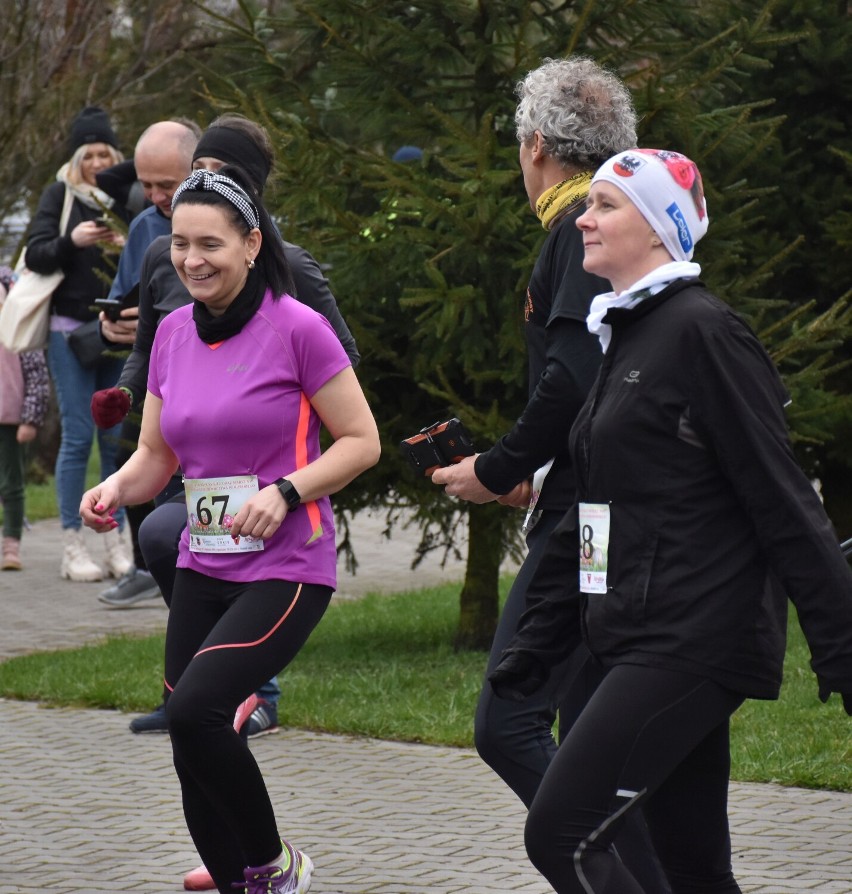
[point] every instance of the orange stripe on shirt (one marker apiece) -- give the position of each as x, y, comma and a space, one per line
302, 431
302, 461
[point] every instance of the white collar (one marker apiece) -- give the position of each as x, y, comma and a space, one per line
649, 285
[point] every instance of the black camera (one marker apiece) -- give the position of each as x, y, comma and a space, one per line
439, 444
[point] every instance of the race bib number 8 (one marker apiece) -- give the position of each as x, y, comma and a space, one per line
211, 504
594, 546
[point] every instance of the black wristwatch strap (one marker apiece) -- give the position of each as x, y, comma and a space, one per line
289, 492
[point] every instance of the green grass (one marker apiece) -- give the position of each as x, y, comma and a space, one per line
796, 740
40, 501
383, 667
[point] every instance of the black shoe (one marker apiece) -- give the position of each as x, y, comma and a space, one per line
155, 722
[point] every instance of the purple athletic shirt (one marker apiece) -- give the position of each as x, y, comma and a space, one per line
241, 407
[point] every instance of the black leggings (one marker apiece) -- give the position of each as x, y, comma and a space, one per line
515, 738
159, 539
647, 737
223, 641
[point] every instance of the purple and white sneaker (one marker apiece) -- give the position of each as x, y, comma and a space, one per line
276, 879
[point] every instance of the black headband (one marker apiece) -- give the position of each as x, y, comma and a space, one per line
234, 148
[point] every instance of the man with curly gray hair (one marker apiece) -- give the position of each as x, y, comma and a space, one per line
572, 116
583, 113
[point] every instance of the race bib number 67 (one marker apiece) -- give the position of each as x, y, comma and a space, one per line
594, 546
211, 504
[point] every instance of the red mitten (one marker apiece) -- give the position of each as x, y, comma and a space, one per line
110, 406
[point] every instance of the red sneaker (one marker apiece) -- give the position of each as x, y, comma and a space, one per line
244, 711
198, 880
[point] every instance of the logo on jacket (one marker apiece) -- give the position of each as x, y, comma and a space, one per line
528, 307
632, 378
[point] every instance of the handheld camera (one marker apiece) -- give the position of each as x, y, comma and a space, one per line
439, 444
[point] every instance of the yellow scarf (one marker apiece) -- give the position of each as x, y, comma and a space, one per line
562, 198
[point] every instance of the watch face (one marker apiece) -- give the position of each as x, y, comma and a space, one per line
289, 492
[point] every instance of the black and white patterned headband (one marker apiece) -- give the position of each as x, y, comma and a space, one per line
230, 189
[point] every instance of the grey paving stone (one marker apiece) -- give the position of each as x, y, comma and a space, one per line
85, 806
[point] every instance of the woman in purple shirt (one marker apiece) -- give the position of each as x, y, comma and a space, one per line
240, 382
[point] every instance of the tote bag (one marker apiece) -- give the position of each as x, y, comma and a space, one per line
25, 315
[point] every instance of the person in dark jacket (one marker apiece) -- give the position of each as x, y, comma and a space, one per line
572, 115
693, 524
79, 253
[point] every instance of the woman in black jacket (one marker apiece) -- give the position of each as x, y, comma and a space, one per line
78, 250
693, 524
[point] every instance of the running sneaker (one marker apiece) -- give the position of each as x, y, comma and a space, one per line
245, 711
198, 880
155, 722
134, 586
274, 879
263, 720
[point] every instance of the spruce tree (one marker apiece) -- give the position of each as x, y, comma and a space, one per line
808, 168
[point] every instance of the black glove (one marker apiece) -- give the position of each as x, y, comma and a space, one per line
517, 676
825, 691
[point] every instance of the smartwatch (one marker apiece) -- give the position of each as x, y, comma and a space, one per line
289, 492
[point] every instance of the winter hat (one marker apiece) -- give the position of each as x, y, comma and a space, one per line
666, 187
92, 126
234, 148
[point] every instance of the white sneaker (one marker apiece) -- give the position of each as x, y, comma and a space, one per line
118, 558
77, 564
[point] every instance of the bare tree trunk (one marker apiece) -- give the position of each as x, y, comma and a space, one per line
479, 600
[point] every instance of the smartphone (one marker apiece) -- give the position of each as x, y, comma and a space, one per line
437, 445
113, 307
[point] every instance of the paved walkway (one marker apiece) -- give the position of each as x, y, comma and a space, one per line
85, 806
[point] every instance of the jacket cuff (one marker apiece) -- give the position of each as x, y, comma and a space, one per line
488, 473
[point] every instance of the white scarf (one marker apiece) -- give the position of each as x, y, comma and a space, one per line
649, 285
90, 196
